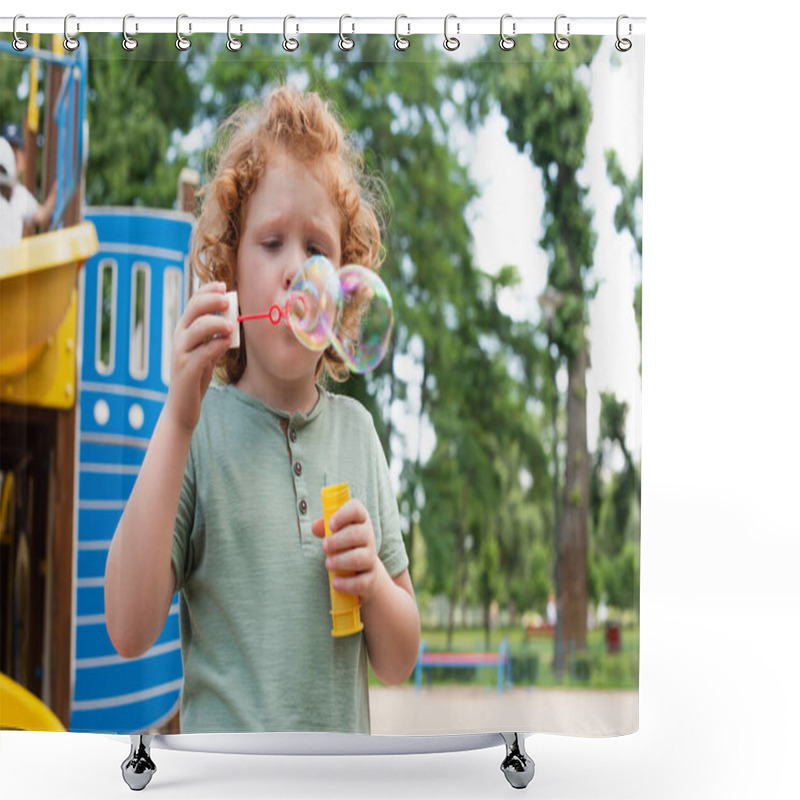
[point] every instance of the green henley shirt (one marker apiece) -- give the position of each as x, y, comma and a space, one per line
255, 620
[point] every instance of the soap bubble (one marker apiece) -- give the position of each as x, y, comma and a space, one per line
313, 303
350, 308
363, 326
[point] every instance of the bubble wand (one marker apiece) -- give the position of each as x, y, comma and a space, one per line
274, 309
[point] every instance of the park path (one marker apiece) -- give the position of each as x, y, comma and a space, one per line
448, 710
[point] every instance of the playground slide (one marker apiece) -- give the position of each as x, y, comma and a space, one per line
21, 710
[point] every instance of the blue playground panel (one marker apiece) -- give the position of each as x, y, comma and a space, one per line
133, 291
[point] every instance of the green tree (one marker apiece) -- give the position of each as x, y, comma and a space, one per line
627, 217
544, 97
140, 105
615, 498
14, 82
613, 416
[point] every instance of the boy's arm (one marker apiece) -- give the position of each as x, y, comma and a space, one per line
391, 627
139, 580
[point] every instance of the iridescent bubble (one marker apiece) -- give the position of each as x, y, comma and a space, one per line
364, 324
312, 306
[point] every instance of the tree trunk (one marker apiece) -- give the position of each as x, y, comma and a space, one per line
412, 499
573, 540
460, 565
632, 467
451, 620
486, 599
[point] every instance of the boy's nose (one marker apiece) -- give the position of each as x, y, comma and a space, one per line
295, 258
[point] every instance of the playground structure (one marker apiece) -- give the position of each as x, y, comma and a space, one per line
87, 310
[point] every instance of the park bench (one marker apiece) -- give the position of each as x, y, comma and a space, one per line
501, 661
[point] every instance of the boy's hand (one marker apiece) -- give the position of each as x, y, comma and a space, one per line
351, 549
201, 337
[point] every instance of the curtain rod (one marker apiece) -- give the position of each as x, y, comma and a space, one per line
187, 25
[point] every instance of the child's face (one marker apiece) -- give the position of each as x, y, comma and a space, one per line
289, 218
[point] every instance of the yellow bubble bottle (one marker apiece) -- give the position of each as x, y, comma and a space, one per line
345, 608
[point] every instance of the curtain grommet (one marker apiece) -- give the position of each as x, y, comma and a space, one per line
70, 42
506, 43
451, 43
19, 44
289, 44
181, 42
345, 42
401, 42
560, 43
623, 45
128, 42
233, 44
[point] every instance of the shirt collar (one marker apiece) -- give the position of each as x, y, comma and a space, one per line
297, 420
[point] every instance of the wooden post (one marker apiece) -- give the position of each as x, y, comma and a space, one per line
53, 76
31, 160
61, 550
29, 135
188, 181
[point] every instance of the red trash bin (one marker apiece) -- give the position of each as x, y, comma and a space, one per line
613, 637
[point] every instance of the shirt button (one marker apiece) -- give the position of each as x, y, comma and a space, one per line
303, 507
293, 435
298, 468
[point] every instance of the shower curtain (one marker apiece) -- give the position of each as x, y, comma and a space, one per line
507, 408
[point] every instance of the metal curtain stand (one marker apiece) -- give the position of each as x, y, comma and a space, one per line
138, 768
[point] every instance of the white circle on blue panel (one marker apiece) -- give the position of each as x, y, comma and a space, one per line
101, 412
136, 416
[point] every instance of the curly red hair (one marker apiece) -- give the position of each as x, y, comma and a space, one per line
303, 125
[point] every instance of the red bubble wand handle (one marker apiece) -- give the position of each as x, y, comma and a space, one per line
275, 313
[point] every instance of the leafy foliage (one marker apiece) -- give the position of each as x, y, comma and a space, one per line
627, 216
139, 104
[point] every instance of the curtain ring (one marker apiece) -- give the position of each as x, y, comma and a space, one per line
128, 42
345, 42
560, 43
182, 43
70, 43
19, 43
506, 42
234, 44
290, 45
623, 45
451, 42
400, 42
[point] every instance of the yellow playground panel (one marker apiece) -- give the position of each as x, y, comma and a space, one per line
21, 710
39, 315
